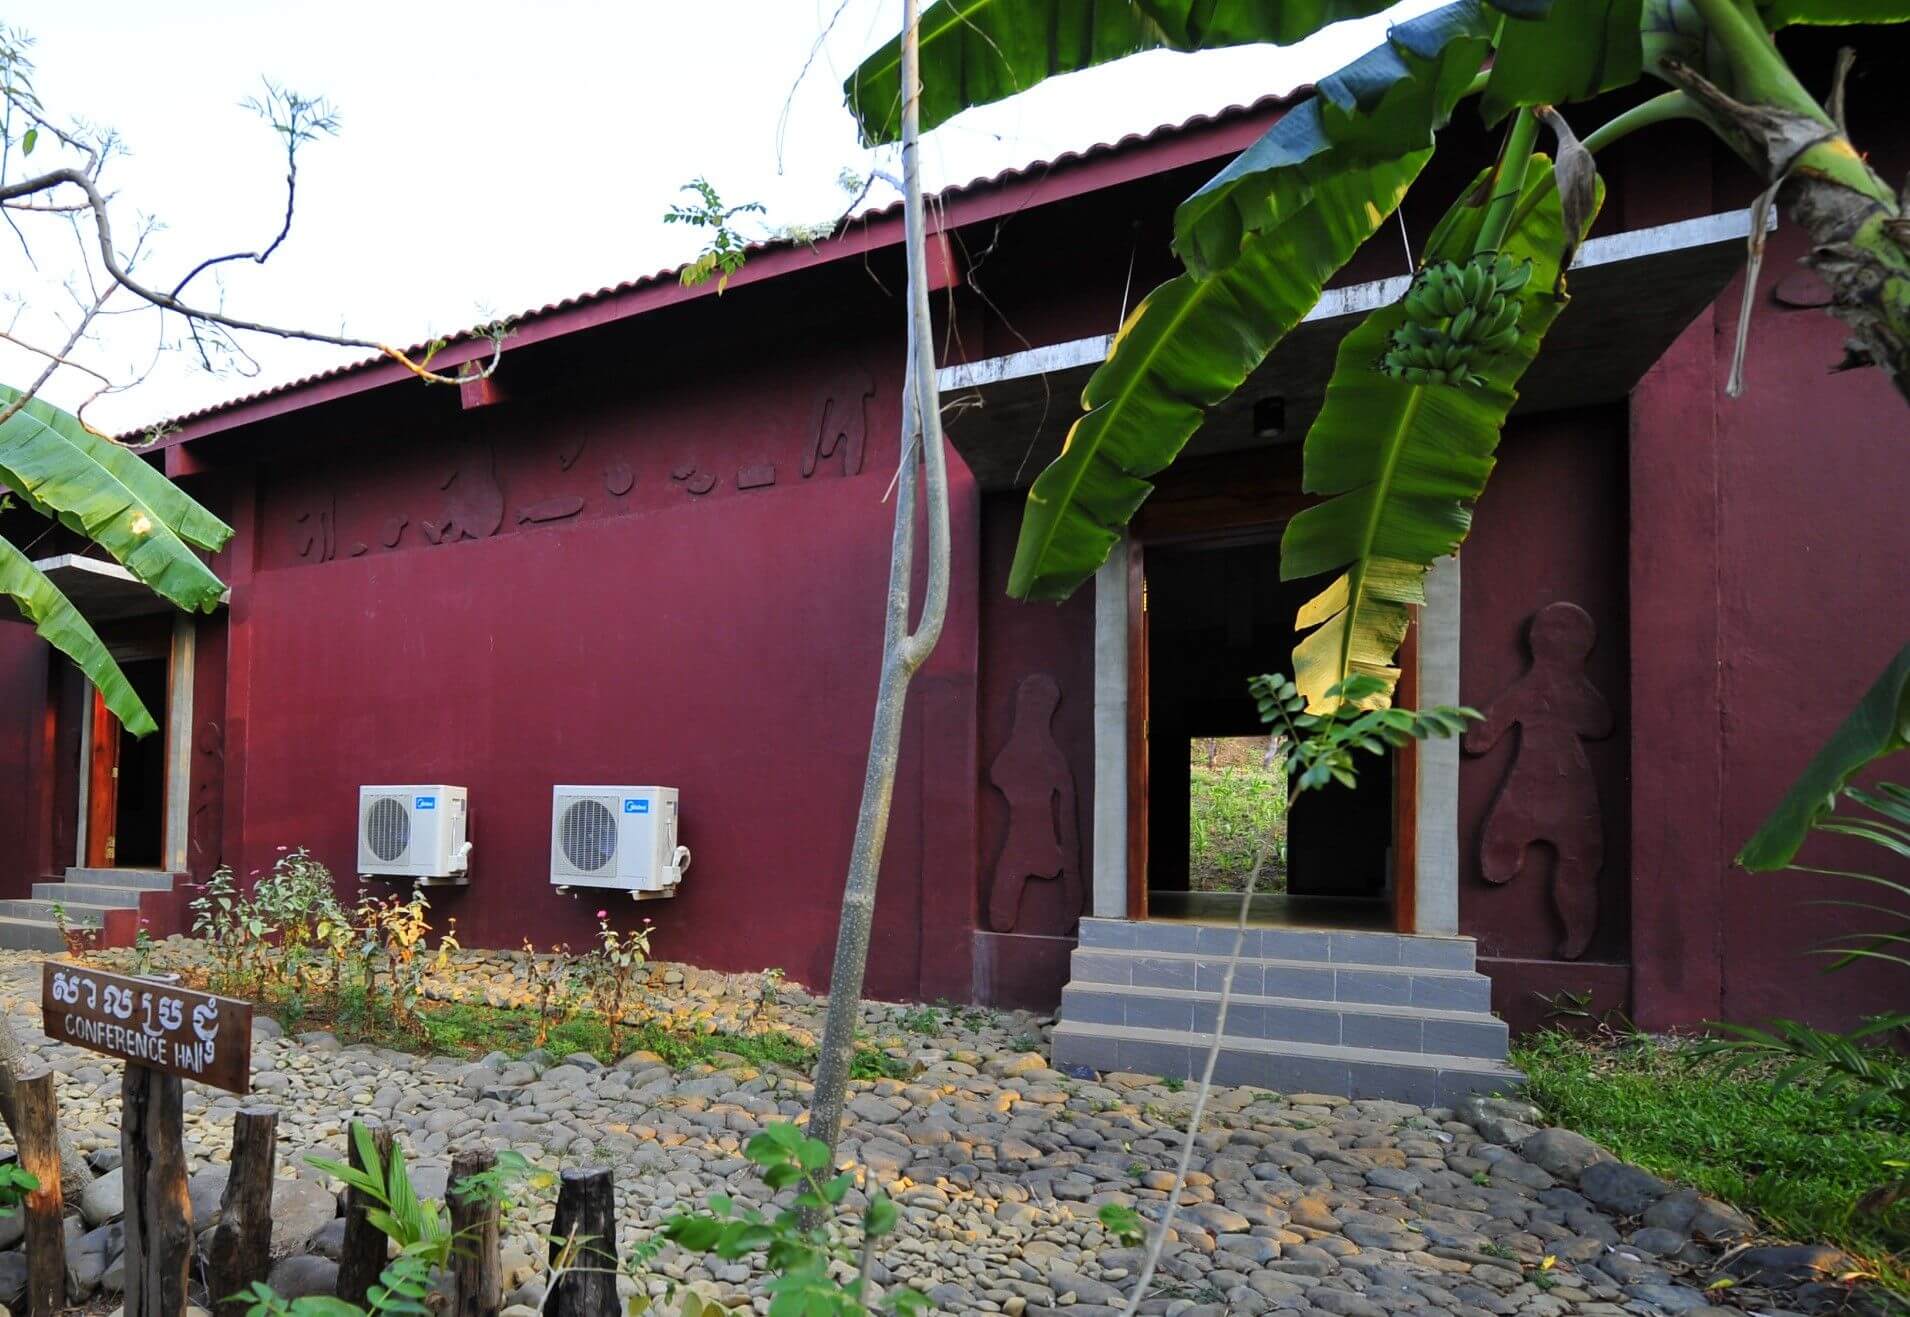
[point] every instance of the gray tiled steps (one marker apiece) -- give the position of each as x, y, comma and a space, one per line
1423, 1078
1311, 979
77, 912
1319, 946
86, 896
30, 935
1290, 1019
150, 880
71, 894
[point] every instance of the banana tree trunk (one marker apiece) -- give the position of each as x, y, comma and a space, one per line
1860, 237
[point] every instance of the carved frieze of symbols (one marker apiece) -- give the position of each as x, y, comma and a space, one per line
841, 429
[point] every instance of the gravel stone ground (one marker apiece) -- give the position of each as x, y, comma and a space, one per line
1297, 1202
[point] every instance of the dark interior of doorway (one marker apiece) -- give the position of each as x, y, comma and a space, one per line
1218, 615
140, 814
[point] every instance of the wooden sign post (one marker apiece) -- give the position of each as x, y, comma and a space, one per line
165, 1034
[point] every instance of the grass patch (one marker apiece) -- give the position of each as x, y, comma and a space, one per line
1796, 1158
471, 1029
1231, 805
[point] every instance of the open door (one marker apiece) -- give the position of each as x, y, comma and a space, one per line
102, 785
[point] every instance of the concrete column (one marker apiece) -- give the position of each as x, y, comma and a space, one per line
1109, 899
1436, 875
178, 733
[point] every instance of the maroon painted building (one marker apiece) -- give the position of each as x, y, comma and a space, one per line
652, 550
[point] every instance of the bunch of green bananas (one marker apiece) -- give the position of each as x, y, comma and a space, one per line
1455, 313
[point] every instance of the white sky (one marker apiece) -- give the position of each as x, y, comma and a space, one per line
495, 156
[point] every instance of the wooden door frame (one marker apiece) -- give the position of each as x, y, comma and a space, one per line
99, 785
138, 642
1229, 502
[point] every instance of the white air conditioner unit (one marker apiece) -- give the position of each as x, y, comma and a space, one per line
413, 832
622, 838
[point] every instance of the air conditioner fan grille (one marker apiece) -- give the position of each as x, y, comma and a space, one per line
387, 828
587, 831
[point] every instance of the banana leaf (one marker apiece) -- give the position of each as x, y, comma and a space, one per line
168, 503
1388, 102
61, 479
1188, 346
1571, 54
1878, 726
1402, 464
55, 618
975, 52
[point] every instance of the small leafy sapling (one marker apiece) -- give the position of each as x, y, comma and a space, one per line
799, 1257
726, 250
612, 971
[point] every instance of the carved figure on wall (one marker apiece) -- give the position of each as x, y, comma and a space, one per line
619, 478
842, 426
1549, 795
1044, 837
393, 532
760, 476
475, 506
208, 797
572, 449
315, 528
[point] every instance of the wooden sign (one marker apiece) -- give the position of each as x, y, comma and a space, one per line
175, 1030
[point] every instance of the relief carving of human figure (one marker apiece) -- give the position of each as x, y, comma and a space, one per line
1549, 796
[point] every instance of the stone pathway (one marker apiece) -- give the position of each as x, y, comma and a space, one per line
1298, 1203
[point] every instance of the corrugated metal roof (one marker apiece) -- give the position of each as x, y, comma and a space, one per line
1007, 178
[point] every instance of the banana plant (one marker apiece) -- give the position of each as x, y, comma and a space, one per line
1419, 393
110, 495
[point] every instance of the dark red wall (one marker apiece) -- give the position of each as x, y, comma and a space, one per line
1026, 962
627, 612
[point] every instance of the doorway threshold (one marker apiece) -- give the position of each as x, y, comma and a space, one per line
1272, 910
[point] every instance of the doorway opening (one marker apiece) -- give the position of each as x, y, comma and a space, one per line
1214, 616
125, 780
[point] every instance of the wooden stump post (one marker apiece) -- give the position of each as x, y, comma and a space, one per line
38, 1130
475, 1263
584, 1239
241, 1251
158, 1212
363, 1255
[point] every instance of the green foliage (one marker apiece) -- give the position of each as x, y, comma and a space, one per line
1878, 726
1384, 106
1795, 1156
925, 1020
1230, 809
1123, 1222
1188, 346
974, 52
416, 1225
797, 1254
15, 1184
1571, 53
1401, 463
727, 249
1322, 745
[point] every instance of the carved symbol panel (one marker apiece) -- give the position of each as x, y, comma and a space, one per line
842, 427
1044, 838
1549, 796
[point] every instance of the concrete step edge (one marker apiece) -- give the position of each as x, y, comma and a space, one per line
1437, 1061
1220, 957
71, 894
1305, 1003
145, 880
37, 911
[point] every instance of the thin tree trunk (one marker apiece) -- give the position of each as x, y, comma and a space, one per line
903, 652
75, 1174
